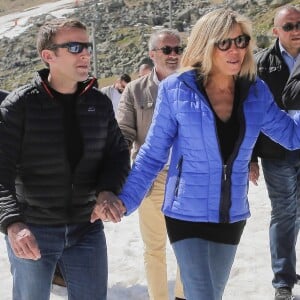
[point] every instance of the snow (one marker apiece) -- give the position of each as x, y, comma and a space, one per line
250, 277
14, 24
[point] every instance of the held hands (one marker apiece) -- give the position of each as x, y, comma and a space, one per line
108, 207
23, 242
254, 172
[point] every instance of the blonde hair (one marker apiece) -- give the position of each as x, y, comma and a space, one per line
209, 29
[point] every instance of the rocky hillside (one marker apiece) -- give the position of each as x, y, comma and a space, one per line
122, 29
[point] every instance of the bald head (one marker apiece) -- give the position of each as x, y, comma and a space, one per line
283, 12
285, 28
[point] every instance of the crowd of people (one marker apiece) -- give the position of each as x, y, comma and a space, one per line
180, 143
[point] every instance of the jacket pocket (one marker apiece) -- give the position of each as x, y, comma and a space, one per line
179, 168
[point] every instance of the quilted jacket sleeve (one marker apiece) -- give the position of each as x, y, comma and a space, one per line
278, 125
154, 153
11, 114
116, 161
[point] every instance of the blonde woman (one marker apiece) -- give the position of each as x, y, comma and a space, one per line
211, 115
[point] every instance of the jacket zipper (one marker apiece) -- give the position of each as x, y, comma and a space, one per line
179, 168
224, 172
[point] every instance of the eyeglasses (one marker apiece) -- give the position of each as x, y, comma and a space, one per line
168, 50
75, 47
241, 42
290, 26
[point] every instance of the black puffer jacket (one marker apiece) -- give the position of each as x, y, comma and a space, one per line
291, 92
271, 68
36, 182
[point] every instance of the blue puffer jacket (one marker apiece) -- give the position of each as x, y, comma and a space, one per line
200, 187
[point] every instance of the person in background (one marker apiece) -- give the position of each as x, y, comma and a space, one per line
61, 151
211, 114
134, 116
114, 92
281, 167
3, 94
144, 69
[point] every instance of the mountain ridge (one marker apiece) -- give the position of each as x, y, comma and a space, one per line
122, 29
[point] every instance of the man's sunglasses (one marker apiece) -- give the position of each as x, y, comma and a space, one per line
75, 47
241, 42
290, 26
168, 50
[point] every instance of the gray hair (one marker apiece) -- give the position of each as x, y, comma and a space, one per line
156, 35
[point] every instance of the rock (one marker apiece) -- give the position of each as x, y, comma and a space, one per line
122, 30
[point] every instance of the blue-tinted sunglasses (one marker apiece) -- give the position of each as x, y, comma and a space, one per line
75, 47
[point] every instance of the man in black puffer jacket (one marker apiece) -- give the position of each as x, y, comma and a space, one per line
61, 151
281, 167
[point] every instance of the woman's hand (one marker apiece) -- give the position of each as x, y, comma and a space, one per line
108, 207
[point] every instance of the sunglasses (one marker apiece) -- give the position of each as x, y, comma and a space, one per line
75, 47
290, 26
241, 42
168, 50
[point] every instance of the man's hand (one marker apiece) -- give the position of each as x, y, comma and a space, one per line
23, 242
108, 208
254, 172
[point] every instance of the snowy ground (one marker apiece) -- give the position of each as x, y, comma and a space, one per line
250, 277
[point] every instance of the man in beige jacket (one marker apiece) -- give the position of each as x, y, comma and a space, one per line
134, 116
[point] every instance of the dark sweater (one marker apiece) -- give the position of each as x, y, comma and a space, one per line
72, 133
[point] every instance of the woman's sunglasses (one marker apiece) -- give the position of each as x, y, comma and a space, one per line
75, 47
290, 26
168, 50
241, 42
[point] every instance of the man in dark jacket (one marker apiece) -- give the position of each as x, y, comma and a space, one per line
281, 167
61, 151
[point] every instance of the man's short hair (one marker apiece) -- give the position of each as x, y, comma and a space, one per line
125, 77
49, 29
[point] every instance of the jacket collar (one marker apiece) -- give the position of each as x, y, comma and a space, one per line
190, 78
40, 80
